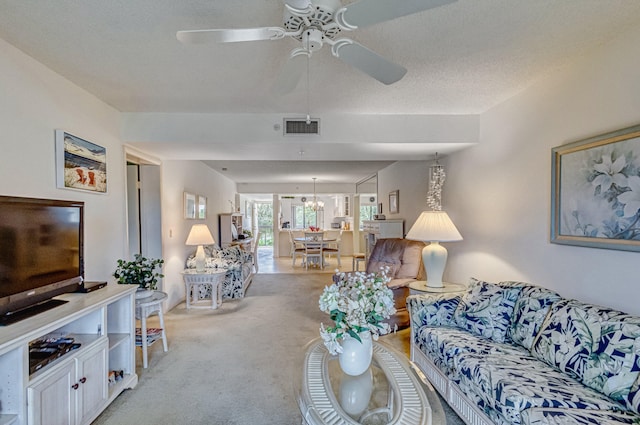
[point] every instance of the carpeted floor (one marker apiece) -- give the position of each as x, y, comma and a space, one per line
235, 365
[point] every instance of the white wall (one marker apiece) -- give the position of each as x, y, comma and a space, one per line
498, 193
411, 178
34, 102
197, 178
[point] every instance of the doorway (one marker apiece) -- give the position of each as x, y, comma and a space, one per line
144, 208
263, 212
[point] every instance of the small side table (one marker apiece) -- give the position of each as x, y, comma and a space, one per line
193, 280
421, 286
145, 307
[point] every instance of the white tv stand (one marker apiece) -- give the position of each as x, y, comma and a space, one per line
74, 388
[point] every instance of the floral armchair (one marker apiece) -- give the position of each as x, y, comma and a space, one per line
237, 262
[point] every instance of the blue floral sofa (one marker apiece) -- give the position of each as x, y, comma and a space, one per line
239, 266
516, 353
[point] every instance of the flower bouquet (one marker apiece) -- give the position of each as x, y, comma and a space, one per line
356, 302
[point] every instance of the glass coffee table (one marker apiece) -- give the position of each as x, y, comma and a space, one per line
389, 392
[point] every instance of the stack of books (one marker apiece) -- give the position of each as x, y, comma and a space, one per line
153, 334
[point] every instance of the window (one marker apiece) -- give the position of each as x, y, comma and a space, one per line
367, 212
302, 217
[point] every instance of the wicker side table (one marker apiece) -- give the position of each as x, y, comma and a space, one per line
198, 284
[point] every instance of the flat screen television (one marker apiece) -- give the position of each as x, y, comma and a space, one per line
41, 254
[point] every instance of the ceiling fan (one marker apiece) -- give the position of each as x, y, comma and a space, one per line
316, 22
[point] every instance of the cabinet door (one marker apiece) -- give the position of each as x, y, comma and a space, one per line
92, 378
52, 401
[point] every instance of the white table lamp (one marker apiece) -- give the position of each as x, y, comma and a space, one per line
434, 227
200, 235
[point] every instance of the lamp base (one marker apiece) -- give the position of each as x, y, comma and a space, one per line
434, 258
200, 259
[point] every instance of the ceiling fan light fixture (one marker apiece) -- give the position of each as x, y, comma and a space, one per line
313, 38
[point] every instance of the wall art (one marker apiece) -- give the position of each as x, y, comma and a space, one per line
202, 207
189, 205
80, 164
595, 192
394, 202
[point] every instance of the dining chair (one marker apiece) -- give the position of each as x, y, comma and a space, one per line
297, 248
313, 248
334, 247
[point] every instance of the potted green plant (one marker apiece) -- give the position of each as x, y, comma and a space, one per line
141, 271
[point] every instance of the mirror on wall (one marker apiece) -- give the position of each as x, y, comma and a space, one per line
368, 185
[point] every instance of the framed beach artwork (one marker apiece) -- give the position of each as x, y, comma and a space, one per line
80, 164
595, 193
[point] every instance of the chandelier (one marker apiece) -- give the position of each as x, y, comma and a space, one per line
436, 181
315, 204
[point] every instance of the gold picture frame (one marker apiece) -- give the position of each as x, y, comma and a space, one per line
595, 188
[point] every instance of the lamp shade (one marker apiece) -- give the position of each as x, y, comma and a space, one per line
200, 235
434, 226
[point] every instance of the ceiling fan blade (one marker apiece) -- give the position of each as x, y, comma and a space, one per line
299, 5
230, 35
368, 61
368, 12
291, 72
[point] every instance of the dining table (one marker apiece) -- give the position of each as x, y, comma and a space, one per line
314, 243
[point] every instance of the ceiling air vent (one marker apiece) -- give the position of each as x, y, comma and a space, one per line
295, 126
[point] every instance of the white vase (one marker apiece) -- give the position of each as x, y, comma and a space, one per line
143, 293
355, 393
356, 356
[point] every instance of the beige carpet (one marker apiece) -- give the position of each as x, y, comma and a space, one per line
235, 365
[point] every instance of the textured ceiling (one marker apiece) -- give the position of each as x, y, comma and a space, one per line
462, 58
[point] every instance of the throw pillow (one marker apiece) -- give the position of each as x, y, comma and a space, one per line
597, 345
434, 310
486, 309
529, 312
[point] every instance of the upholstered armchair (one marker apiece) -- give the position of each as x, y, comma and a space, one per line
238, 263
404, 259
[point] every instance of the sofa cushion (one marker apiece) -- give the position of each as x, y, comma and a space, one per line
529, 313
378, 266
411, 261
509, 383
439, 344
386, 253
445, 345
486, 310
596, 345
399, 283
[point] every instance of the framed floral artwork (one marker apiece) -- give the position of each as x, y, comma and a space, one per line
595, 191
